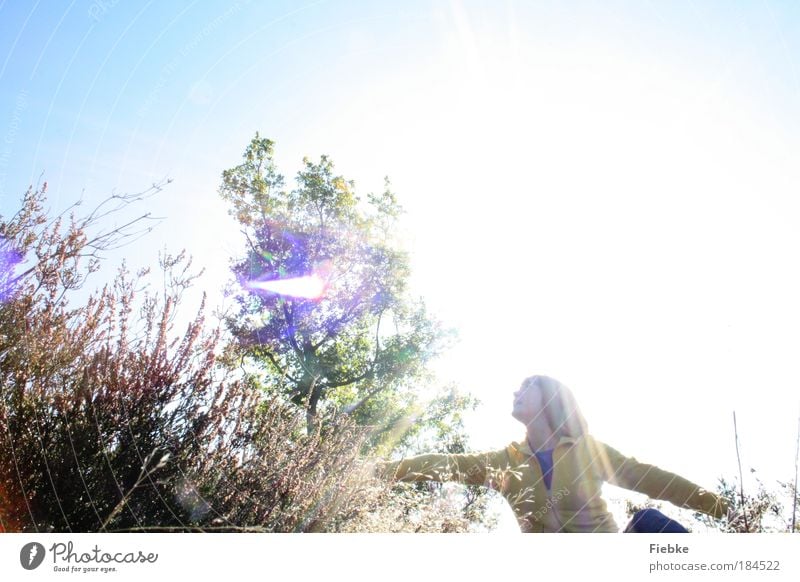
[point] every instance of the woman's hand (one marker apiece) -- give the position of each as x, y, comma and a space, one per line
377, 469
383, 469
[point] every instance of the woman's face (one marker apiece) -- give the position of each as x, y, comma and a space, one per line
528, 402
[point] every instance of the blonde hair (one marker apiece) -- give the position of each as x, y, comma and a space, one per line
560, 407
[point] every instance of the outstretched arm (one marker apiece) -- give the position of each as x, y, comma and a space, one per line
469, 469
657, 483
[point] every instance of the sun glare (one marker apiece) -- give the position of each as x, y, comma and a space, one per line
310, 287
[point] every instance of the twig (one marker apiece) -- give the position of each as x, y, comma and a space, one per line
741, 478
145, 473
794, 496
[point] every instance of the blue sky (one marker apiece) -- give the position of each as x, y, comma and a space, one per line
605, 192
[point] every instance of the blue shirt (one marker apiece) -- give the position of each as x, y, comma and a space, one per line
545, 459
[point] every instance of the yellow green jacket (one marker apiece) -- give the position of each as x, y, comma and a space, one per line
574, 503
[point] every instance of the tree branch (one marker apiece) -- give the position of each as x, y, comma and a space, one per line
353, 407
333, 327
280, 370
290, 331
370, 373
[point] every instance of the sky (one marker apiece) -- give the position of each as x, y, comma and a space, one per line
605, 192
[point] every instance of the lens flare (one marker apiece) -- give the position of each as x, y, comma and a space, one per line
310, 287
9, 259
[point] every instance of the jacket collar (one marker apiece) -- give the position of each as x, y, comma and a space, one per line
523, 447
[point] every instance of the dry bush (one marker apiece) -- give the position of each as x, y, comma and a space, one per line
759, 511
416, 508
111, 422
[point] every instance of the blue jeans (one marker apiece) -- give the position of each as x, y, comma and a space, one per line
653, 521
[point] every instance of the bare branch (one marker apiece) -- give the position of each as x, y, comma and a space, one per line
741, 479
794, 491
283, 372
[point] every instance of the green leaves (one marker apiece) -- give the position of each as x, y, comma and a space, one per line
365, 337
253, 187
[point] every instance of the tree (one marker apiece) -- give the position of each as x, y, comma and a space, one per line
325, 315
325, 307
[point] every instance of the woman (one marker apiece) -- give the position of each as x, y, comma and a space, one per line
553, 478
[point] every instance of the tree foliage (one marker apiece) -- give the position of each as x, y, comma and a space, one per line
362, 344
